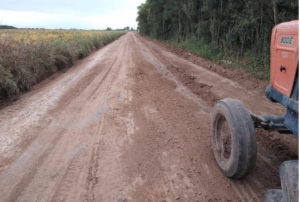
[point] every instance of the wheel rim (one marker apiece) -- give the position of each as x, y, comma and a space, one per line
223, 139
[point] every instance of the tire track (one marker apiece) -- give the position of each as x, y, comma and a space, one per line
126, 128
92, 178
157, 63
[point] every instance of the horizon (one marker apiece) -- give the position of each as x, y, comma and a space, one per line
34, 28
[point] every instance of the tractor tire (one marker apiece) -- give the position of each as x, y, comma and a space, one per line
233, 138
289, 177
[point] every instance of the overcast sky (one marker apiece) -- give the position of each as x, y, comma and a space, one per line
80, 14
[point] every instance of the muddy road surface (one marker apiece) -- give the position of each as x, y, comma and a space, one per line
131, 122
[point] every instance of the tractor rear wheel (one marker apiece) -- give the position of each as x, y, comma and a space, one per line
233, 138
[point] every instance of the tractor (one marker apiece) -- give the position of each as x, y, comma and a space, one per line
233, 126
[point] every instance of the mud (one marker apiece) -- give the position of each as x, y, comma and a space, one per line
131, 122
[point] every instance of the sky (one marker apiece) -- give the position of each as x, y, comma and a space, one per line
67, 14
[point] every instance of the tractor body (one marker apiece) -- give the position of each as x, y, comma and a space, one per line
284, 84
233, 126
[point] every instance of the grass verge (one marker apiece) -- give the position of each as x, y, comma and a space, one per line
249, 61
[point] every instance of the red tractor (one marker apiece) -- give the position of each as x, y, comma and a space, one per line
233, 126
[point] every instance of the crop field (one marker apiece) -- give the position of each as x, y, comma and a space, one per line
28, 56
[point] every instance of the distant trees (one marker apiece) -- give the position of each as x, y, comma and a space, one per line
127, 28
108, 29
233, 27
7, 27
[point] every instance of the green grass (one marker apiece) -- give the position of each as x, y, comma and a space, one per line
249, 61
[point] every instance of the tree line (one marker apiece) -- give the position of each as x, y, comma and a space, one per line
127, 28
233, 28
7, 27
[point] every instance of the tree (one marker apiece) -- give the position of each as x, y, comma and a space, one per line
7, 27
126, 28
232, 27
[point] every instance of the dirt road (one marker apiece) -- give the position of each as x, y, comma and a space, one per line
129, 123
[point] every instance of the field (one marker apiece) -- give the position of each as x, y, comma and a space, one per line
28, 56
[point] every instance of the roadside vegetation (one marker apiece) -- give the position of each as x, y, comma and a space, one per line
236, 33
28, 56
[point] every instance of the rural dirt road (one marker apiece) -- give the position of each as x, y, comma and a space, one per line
131, 122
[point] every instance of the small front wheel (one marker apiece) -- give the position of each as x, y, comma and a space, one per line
233, 138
